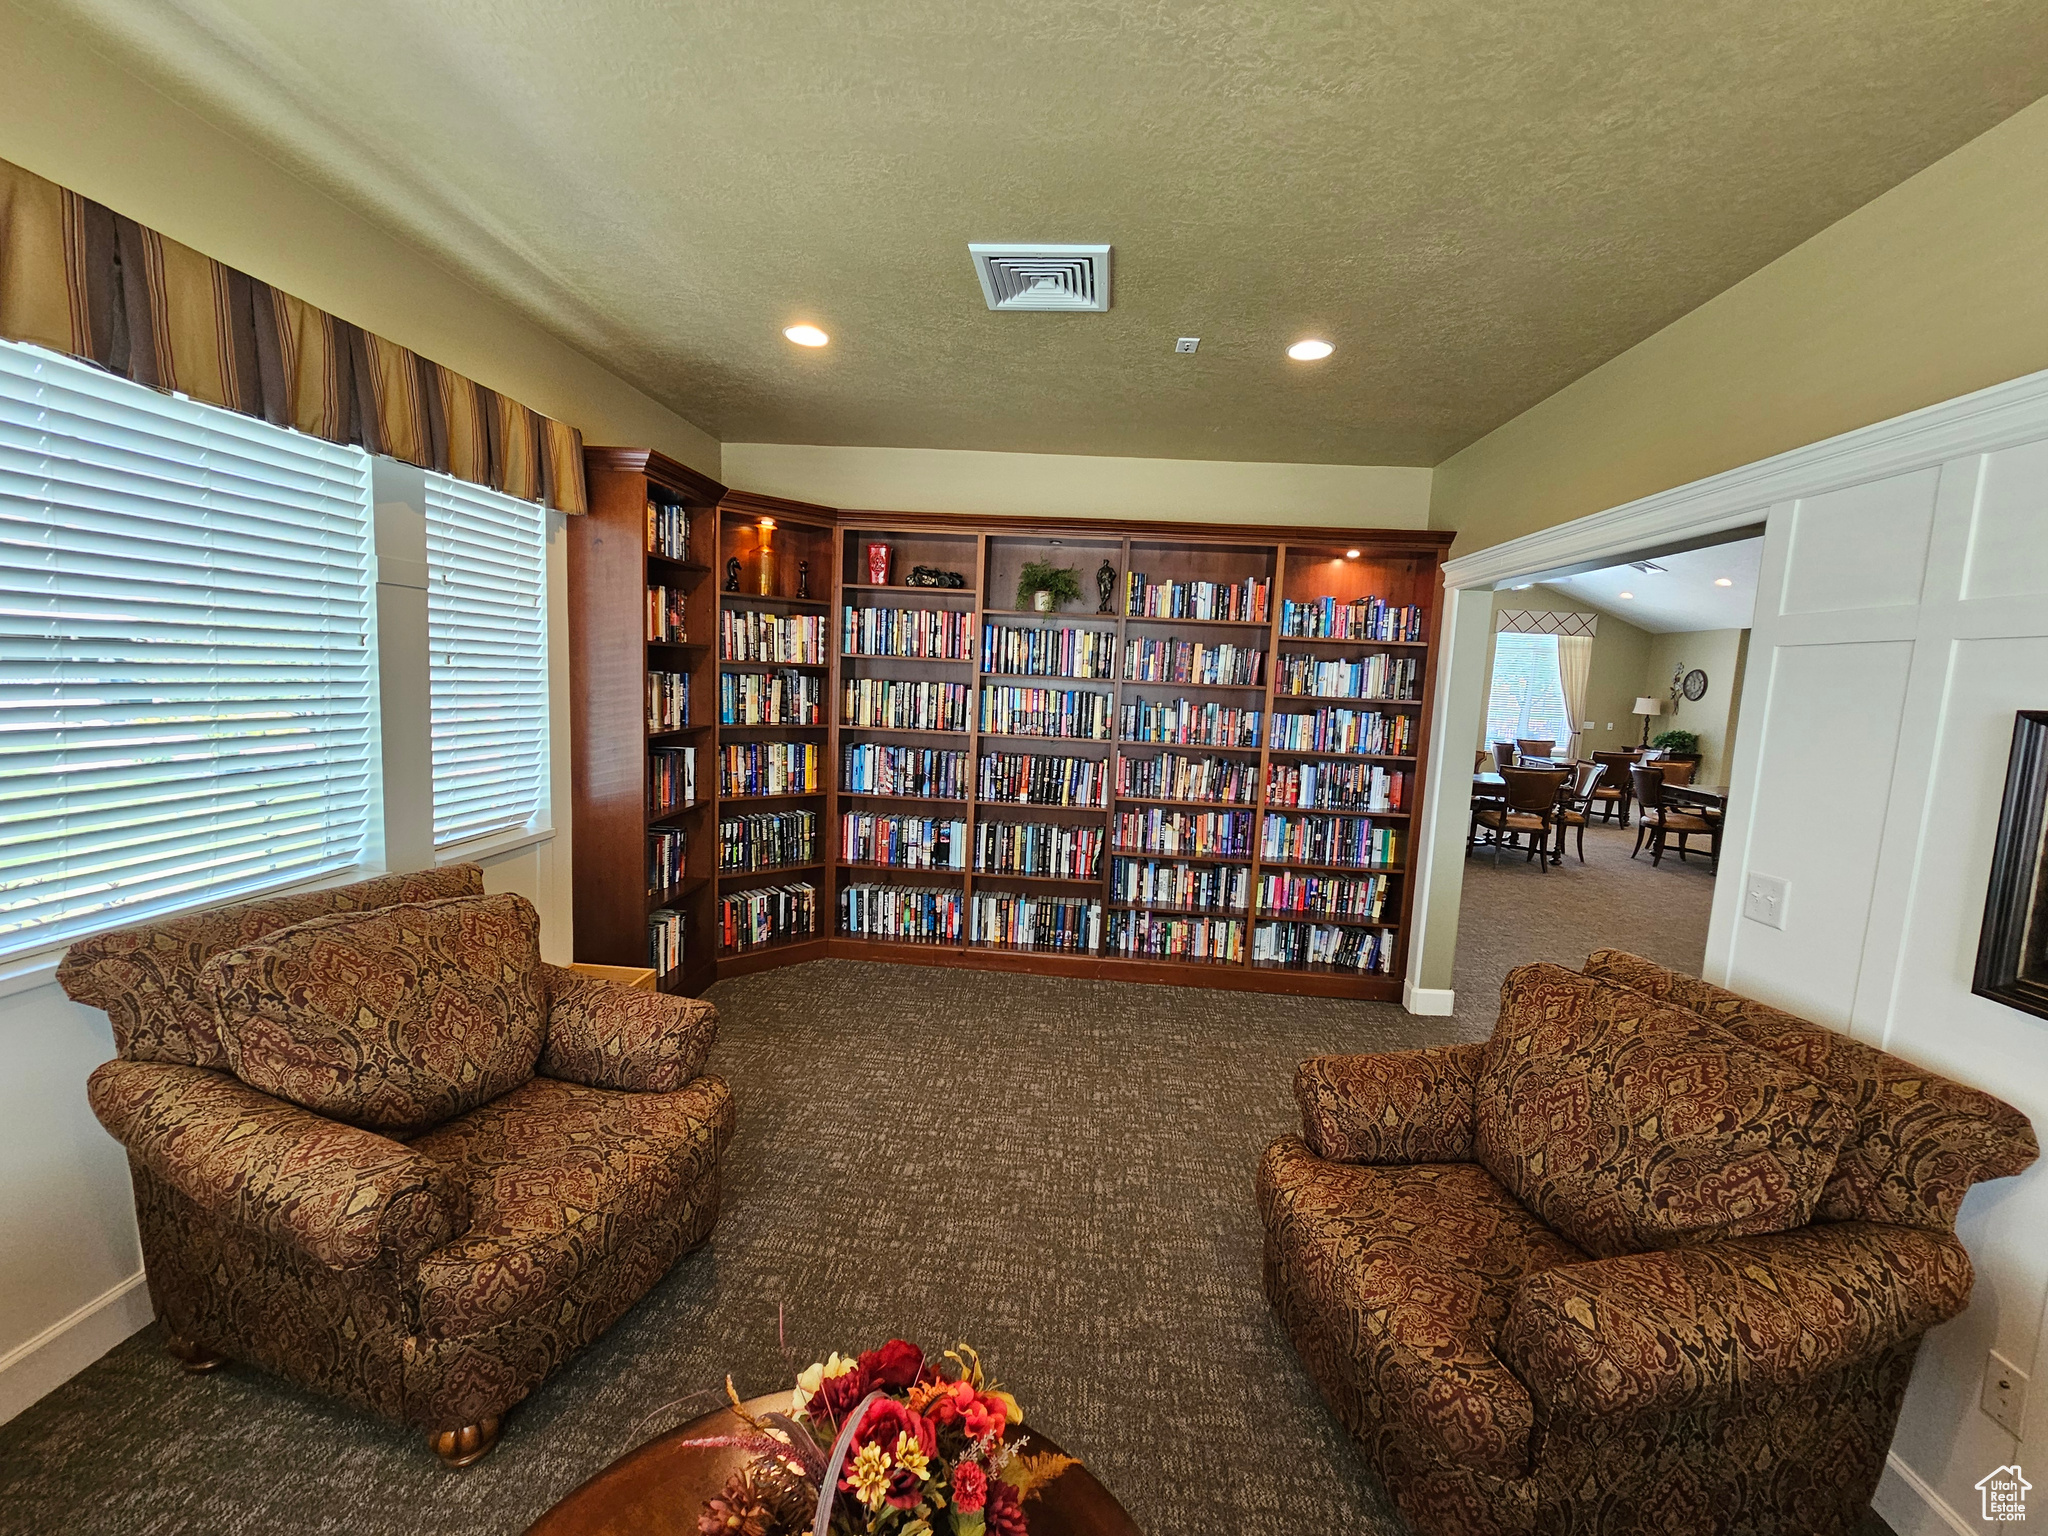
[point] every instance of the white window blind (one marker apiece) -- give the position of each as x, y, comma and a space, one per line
487, 632
188, 691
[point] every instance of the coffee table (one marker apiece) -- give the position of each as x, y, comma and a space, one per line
659, 1489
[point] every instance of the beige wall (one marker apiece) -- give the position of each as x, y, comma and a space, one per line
1928, 292
1074, 485
1720, 654
70, 115
1620, 653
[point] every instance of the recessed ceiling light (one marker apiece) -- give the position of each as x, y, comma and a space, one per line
1310, 351
1723, 581
806, 335
1350, 554
1628, 594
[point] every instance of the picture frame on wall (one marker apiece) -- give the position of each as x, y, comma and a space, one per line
2012, 947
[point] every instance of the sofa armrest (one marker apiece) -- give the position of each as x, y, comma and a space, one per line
1394, 1107
604, 1035
1680, 1327
340, 1194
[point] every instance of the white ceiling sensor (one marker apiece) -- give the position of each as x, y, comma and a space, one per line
1070, 277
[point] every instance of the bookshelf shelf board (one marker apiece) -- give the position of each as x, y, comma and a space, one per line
1139, 682
997, 874
1190, 746
875, 794
1333, 698
1272, 915
1329, 810
903, 591
801, 794
679, 645
1206, 961
1050, 677
772, 725
1243, 860
767, 871
896, 941
727, 665
787, 941
1263, 626
659, 738
1000, 808
904, 730
1078, 741
1348, 757
1321, 968
669, 563
757, 600
930, 661
1197, 805
674, 815
902, 869
1336, 869
674, 894
1056, 616
995, 946
1354, 641
1232, 914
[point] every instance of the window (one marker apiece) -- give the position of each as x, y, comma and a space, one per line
188, 682
487, 635
1527, 698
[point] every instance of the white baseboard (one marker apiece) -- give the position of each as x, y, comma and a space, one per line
1427, 999
68, 1346
1911, 1508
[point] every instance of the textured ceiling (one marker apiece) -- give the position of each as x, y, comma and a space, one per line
1477, 202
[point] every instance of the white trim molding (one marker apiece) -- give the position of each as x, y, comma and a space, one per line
1427, 1000
1911, 1508
45, 1362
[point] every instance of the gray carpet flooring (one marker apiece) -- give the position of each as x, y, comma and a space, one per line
1057, 1171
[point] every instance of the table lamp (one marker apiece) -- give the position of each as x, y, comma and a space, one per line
1647, 708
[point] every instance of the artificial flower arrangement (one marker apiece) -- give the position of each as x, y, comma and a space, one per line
883, 1444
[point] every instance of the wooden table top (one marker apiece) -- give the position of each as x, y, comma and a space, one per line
1699, 794
659, 1489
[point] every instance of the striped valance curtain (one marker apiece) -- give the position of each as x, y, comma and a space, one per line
78, 278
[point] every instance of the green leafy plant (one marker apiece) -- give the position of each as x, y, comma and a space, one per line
1678, 743
1063, 582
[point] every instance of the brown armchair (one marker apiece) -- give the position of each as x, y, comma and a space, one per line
1613, 797
1525, 1332
1657, 819
382, 1149
1528, 808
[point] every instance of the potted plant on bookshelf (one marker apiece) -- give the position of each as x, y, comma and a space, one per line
1678, 746
1043, 586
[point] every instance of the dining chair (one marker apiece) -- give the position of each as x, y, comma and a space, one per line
1656, 820
1528, 807
1677, 771
1534, 746
1577, 807
1503, 756
1614, 795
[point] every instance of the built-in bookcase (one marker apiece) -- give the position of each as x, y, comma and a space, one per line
1211, 783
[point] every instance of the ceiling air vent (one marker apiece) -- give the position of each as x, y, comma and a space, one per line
1043, 276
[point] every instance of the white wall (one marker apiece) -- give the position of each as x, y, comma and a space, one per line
1077, 485
70, 1268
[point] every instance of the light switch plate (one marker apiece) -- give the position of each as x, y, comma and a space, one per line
1763, 900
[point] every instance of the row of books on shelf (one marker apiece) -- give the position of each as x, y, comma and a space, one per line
767, 915
665, 940
1200, 887
1036, 778
747, 634
899, 704
873, 769
668, 853
1364, 618
1347, 731
1161, 936
1062, 652
1324, 895
932, 634
902, 913
1378, 676
671, 779
1187, 722
903, 842
1177, 776
1194, 663
668, 701
771, 698
665, 622
769, 768
1075, 714
768, 840
1056, 850
1036, 922
1337, 786
668, 529
1188, 834
1348, 840
1243, 602
1368, 950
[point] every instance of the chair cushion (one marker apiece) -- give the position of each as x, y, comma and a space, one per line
1628, 1125
558, 1177
1920, 1141
1407, 1272
1682, 821
394, 1020
1514, 821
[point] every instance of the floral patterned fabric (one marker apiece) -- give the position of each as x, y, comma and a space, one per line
1395, 1107
610, 1036
394, 1020
1628, 1125
559, 1176
1401, 1277
146, 977
341, 1195
1920, 1141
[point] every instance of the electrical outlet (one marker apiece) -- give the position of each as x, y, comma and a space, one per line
1763, 900
2005, 1393
1187, 344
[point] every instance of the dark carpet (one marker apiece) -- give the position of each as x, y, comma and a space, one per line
1056, 1171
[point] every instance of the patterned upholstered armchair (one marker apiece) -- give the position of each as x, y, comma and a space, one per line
1654, 1258
380, 1148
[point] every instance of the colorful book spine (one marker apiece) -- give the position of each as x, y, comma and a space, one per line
1301, 945
898, 704
1323, 895
767, 840
665, 625
771, 698
1365, 618
1349, 841
1046, 849
1361, 732
1176, 776
902, 842
668, 530
1157, 936
1337, 786
1059, 923
1378, 676
926, 772
749, 919
665, 931
1184, 834
668, 852
1191, 887
671, 780
668, 701
1022, 651
903, 913
1185, 722
1029, 778
933, 634
745, 634
1073, 713
1194, 663
1243, 602
755, 768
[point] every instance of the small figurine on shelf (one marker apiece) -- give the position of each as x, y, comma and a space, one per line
1105, 584
732, 574
803, 578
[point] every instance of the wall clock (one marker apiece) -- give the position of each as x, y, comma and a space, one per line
1695, 685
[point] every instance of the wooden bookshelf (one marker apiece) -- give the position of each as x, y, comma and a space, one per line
1402, 568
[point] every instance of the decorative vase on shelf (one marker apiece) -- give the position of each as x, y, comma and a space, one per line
767, 557
1041, 601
